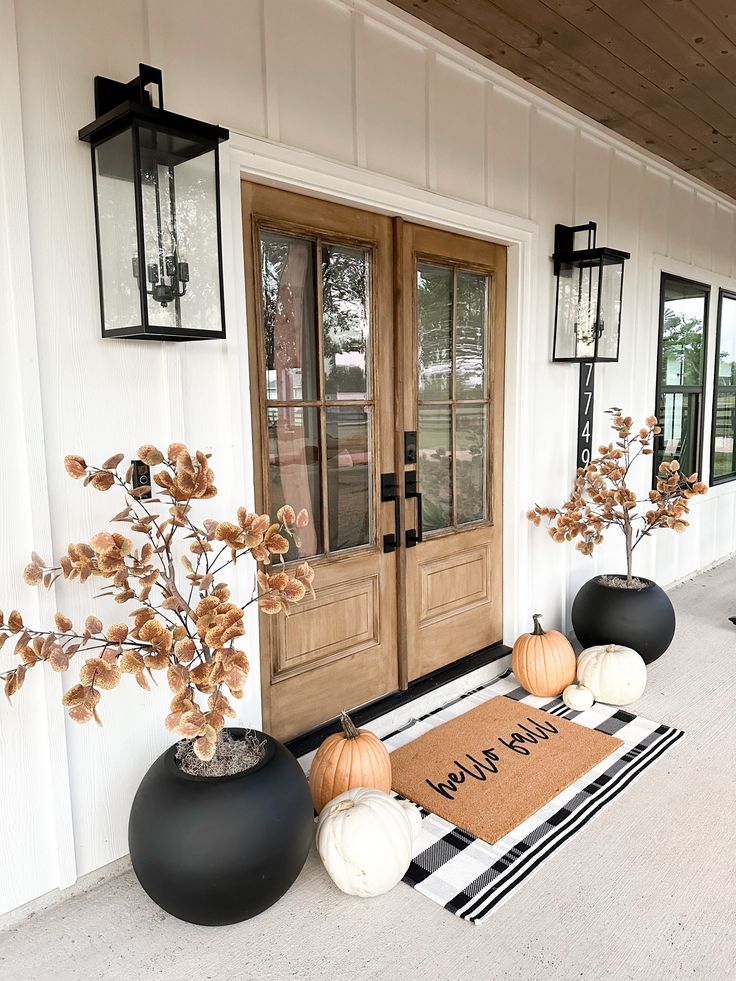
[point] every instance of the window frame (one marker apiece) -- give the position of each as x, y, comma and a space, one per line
661, 389
456, 266
319, 239
729, 477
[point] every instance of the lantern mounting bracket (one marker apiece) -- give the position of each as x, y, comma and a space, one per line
565, 239
109, 93
565, 235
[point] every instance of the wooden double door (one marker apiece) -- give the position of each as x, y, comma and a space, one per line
376, 352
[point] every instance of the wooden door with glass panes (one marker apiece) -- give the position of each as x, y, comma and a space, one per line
320, 306
364, 333
452, 319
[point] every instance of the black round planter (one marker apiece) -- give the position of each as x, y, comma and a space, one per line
216, 850
643, 619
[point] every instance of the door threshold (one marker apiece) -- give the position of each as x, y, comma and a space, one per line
309, 741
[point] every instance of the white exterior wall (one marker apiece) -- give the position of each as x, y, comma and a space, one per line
381, 102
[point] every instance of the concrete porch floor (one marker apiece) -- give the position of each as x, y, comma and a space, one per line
647, 891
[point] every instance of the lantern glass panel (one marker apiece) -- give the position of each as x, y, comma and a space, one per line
116, 229
180, 232
612, 284
577, 310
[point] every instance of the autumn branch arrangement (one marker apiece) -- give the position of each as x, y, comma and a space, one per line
602, 498
184, 621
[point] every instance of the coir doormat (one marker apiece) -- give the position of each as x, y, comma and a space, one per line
490, 768
470, 877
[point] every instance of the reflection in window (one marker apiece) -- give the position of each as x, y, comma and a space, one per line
471, 318
319, 443
452, 313
294, 471
470, 469
289, 317
435, 465
434, 317
723, 464
345, 317
349, 476
684, 310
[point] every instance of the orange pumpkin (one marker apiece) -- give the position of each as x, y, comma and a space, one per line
346, 760
543, 661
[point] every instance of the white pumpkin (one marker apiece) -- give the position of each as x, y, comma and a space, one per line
615, 675
577, 697
365, 840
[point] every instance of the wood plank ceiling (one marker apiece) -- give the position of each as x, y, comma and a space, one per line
660, 72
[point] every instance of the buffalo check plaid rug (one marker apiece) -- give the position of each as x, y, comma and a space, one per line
471, 878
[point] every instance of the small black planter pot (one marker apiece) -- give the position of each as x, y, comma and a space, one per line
216, 850
643, 619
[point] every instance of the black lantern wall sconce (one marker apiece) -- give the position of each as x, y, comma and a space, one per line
156, 183
590, 284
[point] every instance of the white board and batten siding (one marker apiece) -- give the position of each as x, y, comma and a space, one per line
362, 87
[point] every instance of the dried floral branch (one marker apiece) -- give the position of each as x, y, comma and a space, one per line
602, 498
193, 639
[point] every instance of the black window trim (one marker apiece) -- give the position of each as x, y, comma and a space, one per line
686, 389
727, 477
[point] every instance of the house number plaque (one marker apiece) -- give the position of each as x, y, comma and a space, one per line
585, 413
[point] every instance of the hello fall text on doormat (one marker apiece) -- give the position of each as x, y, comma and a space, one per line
488, 769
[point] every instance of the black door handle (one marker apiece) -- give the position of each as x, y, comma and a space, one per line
390, 492
414, 535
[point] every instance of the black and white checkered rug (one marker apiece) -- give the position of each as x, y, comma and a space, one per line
469, 877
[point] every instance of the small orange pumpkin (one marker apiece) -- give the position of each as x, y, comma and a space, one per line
346, 760
543, 661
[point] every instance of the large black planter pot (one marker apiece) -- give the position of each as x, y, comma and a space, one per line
643, 619
222, 849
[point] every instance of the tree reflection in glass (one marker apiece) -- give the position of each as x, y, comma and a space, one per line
434, 317
681, 373
346, 322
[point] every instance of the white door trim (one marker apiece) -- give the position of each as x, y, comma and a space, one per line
305, 172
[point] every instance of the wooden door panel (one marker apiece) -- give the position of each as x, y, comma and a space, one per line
299, 704
454, 583
338, 650
341, 621
453, 578
459, 610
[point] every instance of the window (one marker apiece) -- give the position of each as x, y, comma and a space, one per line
452, 309
680, 372
316, 304
723, 445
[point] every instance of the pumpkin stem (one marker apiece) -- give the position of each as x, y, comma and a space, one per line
348, 726
537, 625
344, 805
610, 648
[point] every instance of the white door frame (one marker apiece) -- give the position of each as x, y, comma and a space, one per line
299, 170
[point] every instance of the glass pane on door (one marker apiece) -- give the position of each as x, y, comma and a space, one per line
294, 471
345, 316
435, 466
316, 334
471, 440
349, 476
470, 334
289, 317
452, 323
434, 315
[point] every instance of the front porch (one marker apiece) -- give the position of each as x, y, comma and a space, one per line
646, 891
